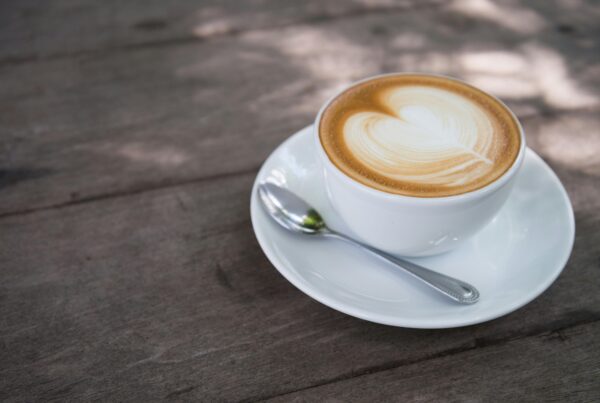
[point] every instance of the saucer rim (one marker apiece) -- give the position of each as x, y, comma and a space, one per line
438, 323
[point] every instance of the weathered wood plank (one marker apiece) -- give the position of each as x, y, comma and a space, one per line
112, 123
562, 366
31, 30
167, 294
119, 292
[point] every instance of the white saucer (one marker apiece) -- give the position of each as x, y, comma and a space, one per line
511, 261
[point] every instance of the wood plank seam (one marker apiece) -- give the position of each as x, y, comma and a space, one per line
478, 343
191, 181
130, 192
232, 32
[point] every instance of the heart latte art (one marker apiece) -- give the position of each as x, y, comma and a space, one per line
419, 135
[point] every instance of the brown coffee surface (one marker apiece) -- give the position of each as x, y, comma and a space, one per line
419, 135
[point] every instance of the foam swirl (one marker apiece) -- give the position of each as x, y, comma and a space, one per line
425, 135
419, 135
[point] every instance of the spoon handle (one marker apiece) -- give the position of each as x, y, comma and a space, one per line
455, 289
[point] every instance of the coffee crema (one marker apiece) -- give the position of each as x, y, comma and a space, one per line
419, 135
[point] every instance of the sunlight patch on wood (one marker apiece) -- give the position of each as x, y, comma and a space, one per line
558, 87
409, 40
212, 28
494, 62
532, 71
339, 60
142, 152
573, 141
514, 17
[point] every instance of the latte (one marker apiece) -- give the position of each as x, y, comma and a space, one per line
419, 135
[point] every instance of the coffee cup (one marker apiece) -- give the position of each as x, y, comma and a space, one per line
416, 164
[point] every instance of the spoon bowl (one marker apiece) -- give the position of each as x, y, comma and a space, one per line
296, 215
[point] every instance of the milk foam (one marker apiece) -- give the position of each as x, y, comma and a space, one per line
426, 135
419, 135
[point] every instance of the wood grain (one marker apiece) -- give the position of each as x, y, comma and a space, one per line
524, 370
166, 292
130, 134
65, 28
103, 124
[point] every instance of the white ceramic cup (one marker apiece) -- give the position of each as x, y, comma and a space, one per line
413, 226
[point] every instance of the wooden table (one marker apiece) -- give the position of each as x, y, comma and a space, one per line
130, 136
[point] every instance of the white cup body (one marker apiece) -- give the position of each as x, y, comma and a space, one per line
413, 226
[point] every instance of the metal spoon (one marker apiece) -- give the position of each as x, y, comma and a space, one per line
296, 215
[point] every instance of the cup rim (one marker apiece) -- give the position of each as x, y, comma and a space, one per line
473, 194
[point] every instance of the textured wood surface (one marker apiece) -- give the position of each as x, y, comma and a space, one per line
486, 374
105, 123
130, 135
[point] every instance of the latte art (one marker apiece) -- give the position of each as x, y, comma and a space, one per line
433, 136
419, 135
